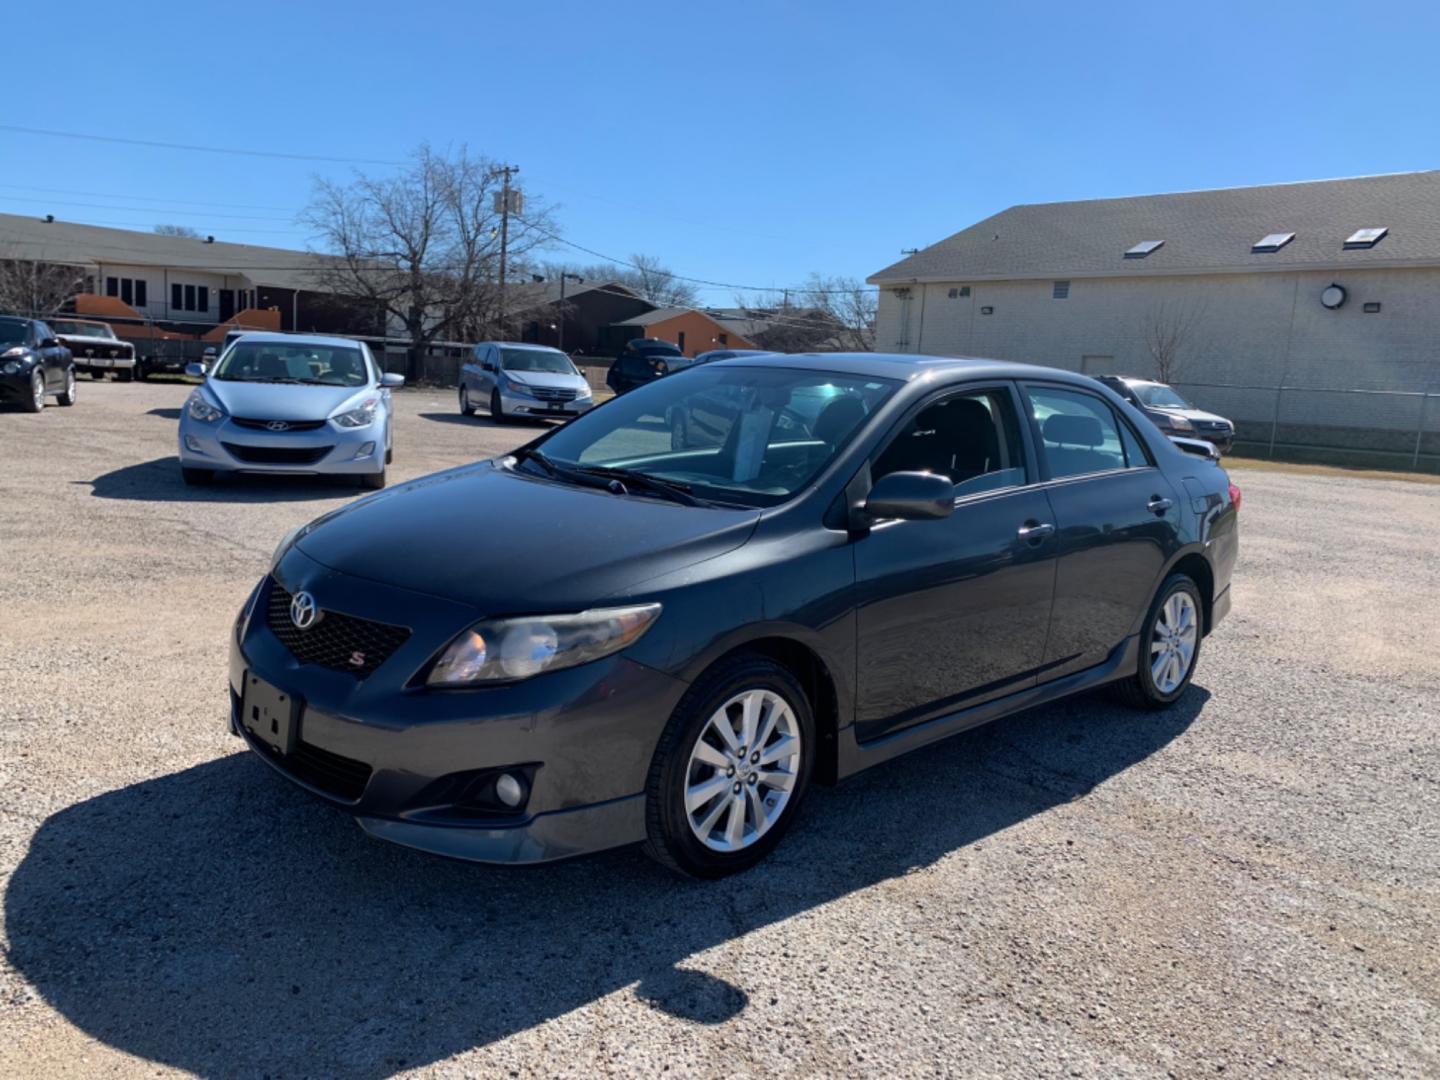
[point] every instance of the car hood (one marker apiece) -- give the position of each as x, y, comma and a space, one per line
507, 543
556, 379
281, 401
1189, 414
86, 339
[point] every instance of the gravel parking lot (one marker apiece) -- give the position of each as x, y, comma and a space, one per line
1249, 883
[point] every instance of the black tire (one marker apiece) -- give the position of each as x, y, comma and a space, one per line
670, 839
373, 481
35, 402
66, 397
139, 371
1139, 690
389, 455
497, 408
125, 374
196, 477
466, 408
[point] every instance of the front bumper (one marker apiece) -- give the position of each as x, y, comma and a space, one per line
330, 449
382, 750
15, 386
525, 405
104, 363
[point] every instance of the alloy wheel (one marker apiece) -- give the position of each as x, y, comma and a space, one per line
1172, 645
742, 771
37, 389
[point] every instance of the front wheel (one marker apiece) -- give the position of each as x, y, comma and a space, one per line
36, 401
1169, 646
67, 396
730, 769
466, 407
497, 407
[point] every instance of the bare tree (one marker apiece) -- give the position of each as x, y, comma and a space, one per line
423, 245
657, 283
30, 285
826, 314
177, 230
1170, 329
849, 305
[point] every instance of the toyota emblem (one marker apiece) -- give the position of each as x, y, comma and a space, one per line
278, 425
304, 612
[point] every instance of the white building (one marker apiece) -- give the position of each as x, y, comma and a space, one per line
1319, 287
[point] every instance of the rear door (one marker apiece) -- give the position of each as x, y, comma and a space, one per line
1118, 519
954, 612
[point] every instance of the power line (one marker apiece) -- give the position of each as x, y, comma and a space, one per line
159, 211
143, 198
191, 147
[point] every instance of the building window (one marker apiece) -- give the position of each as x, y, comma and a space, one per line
176, 298
1060, 290
141, 299
681, 342
112, 286
723, 339
203, 303
1361, 239
189, 297
125, 293
958, 293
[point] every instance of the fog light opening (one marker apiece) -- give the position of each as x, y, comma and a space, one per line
192, 443
509, 790
365, 451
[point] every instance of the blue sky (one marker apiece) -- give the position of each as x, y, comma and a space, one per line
742, 142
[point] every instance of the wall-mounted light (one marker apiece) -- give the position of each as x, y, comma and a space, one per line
987, 311
1371, 307
1333, 296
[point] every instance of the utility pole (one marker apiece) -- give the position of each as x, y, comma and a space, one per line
560, 322
504, 206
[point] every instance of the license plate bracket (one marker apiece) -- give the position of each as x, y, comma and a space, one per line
556, 406
269, 714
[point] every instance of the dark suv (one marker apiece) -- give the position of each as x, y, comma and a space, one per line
33, 364
1170, 412
642, 360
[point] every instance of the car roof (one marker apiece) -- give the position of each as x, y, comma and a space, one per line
268, 338
907, 367
15, 318
519, 345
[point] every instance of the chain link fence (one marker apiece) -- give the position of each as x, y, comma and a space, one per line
1380, 428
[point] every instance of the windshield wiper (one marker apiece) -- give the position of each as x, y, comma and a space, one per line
630, 478
539, 457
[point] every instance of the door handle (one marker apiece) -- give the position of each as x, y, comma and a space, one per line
1032, 532
1158, 504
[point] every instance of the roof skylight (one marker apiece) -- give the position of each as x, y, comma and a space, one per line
1272, 241
1364, 238
1145, 247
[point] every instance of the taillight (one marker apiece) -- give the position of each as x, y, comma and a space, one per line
1234, 495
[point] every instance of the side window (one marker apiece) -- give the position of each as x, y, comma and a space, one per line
42, 332
972, 438
1079, 432
1136, 456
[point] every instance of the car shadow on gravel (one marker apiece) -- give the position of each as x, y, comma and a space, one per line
483, 420
160, 481
220, 921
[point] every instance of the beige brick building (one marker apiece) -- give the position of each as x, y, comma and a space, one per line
1237, 279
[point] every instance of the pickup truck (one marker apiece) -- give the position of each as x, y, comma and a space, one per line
96, 349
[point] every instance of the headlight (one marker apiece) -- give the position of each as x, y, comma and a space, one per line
517, 387
11, 368
1179, 423
242, 621
14, 350
363, 415
201, 409
583, 394
504, 650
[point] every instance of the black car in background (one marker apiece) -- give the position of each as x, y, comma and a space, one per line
1170, 412
642, 360
863, 554
33, 364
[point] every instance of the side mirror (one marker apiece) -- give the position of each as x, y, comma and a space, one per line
195, 370
487, 366
49, 342
391, 379
911, 496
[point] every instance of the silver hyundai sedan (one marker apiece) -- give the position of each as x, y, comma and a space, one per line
289, 403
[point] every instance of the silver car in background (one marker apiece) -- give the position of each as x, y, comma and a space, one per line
289, 403
511, 379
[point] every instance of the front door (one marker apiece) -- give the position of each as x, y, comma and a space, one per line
951, 613
227, 304
1118, 519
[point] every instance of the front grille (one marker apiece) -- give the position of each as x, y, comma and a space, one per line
290, 425
336, 641
343, 777
277, 455
553, 393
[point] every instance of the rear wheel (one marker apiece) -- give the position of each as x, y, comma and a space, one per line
1169, 647
497, 407
36, 401
196, 477
466, 407
67, 396
730, 770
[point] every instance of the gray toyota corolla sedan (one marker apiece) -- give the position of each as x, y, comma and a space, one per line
613, 635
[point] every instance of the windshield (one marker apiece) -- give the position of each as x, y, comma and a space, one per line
550, 360
749, 435
274, 361
11, 331
83, 329
1158, 396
